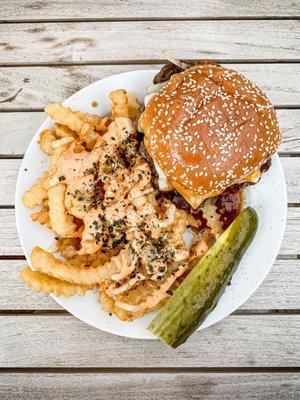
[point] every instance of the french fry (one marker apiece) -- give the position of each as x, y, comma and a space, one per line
99, 123
36, 195
45, 262
62, 131
61, 222
124, 104
209, 211
62, 142
70, 118
137, 306
41, 282
109, 305
42, 217
103, 125
47, 137
93, 260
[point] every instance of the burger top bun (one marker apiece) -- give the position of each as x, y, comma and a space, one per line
209, 128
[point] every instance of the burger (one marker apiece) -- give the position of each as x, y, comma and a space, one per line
207, 130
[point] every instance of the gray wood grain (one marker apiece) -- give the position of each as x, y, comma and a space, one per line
136, 386
289, 121
280, 290
16, 295
57, 340
71, 42
35, 87
12, 10
9, 242
18, 128
9, 169
63, 341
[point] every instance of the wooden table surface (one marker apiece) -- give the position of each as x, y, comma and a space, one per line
51, 49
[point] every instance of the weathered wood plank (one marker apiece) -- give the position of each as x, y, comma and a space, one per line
19, 127
279, 291
104, 41
291, 239
9, 169
164, 386
292, 176
35, 87
14, 293
289, 121
72, 9
9, 242
63, 341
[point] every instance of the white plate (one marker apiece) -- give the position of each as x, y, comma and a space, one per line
268, 198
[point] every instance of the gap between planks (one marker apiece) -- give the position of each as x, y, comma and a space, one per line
41, 109
148, 62
152, 19
286, 154
240, 313
12, 207
145, 370
279, 257
20, 156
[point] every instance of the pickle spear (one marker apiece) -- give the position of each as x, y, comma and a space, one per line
200, 292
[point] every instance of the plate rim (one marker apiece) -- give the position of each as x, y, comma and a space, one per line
112, 331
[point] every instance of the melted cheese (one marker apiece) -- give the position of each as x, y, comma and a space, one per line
253, 177
163, 183
194, 199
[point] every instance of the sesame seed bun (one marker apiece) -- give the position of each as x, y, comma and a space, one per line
209, 128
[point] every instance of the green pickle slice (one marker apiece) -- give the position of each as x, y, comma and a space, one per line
200, 292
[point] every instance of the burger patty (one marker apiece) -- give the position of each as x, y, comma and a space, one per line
166, 72
144, 153
170, 69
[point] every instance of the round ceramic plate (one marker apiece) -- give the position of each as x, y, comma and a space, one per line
268, 198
